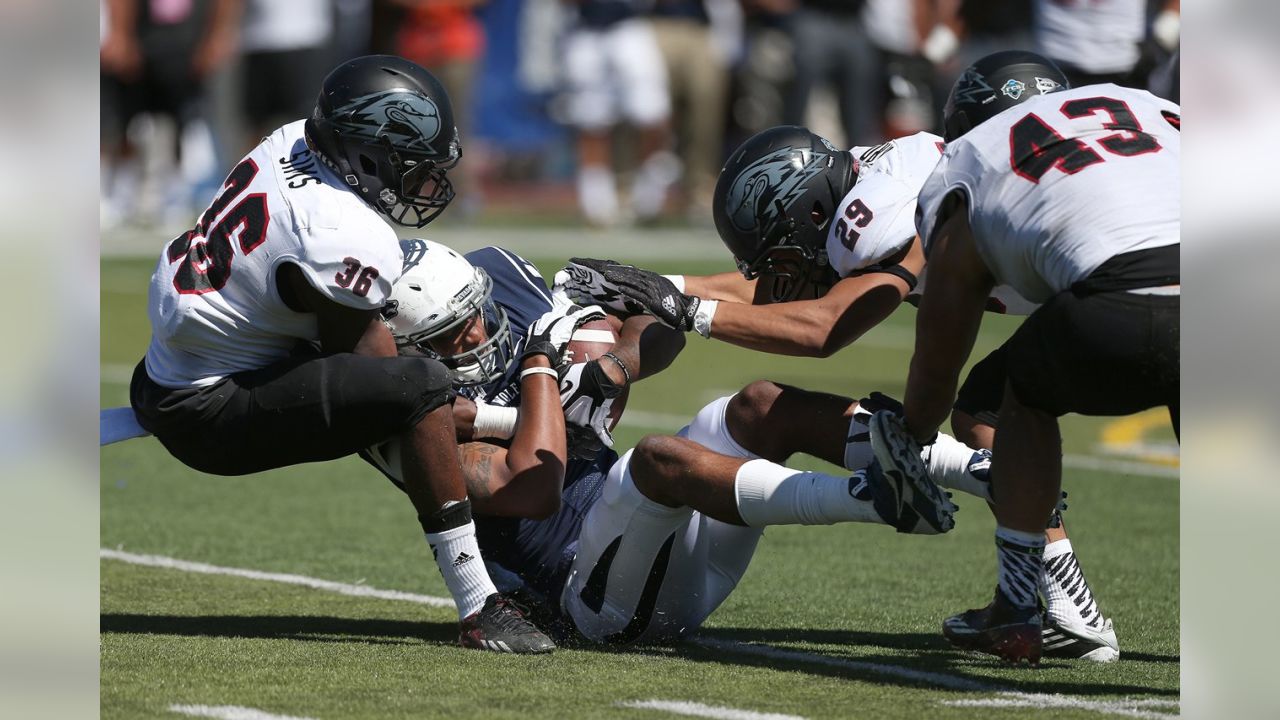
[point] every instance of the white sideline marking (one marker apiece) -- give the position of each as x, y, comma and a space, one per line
1124, 707
315, 583
695, 709
230, 712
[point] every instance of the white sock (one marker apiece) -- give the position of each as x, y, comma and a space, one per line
1066, 592
956, 466
1019, 562
458, 557
598, 194
771, 494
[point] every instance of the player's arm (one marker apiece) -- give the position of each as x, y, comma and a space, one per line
822, 326
526, 479
645, 347
341, 328
946, 326
730, 286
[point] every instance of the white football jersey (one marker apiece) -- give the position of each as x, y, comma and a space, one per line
213, 301
1096, 36
877, 218
1062, 183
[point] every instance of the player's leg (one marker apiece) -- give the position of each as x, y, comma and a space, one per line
719, 478
316, 408
1073, 624
776, 421
591, 111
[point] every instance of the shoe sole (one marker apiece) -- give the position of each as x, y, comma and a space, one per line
899, 460
1059, 642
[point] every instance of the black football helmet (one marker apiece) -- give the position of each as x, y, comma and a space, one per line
774, 203
996, 83
386, 127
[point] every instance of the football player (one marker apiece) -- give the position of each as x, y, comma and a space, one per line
294, 250
595, 551
826, 247
1033, 192
532, 470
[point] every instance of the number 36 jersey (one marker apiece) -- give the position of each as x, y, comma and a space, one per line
1063, 182
213, 302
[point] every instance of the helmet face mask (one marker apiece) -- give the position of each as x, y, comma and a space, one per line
434, 309
385, 126
774, 204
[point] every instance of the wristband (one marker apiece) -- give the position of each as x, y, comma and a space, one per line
677, 280
493, 421
626, 374
539, 371
702, 317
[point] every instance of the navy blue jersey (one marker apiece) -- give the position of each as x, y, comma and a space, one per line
520, 291
539, 551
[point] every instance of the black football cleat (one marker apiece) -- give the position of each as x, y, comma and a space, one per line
1010, 633
500, 626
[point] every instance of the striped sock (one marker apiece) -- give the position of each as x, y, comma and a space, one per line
1066, 592
1020, 562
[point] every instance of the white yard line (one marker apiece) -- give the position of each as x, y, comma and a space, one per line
695, 709
1124, 707
230, 712
315, 583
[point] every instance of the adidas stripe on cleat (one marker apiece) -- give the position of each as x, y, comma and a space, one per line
500, 626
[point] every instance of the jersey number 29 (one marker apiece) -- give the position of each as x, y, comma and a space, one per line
1036, 148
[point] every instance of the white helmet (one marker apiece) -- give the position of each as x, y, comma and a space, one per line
439, 290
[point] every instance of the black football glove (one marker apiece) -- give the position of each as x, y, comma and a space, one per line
587, 395
628, 290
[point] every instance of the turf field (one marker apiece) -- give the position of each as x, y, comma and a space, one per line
830, 622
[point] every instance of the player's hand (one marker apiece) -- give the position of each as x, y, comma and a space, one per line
551, 333
629, 290
587, 395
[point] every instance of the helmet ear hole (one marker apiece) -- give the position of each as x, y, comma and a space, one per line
818, 214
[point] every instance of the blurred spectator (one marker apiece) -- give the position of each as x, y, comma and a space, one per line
768, 64
286, 54
695, 39
446, 38
614, 71
156, 56
1093, 41
831, 46
899, 29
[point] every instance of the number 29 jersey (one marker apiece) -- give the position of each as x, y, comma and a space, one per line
1061, 183
213, 302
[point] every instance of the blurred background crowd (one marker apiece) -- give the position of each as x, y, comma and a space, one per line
605, 112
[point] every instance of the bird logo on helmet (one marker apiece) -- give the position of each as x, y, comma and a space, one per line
763, 192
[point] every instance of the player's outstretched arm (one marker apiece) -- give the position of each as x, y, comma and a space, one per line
812, 328
946, 327
730, 286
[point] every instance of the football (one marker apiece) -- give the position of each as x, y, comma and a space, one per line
591, 341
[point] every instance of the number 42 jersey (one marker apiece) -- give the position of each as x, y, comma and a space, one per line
1061, 183
213, 302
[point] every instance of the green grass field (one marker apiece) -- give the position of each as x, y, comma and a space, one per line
830, 622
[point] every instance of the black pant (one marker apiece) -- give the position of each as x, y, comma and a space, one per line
302, 409
1107, 353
